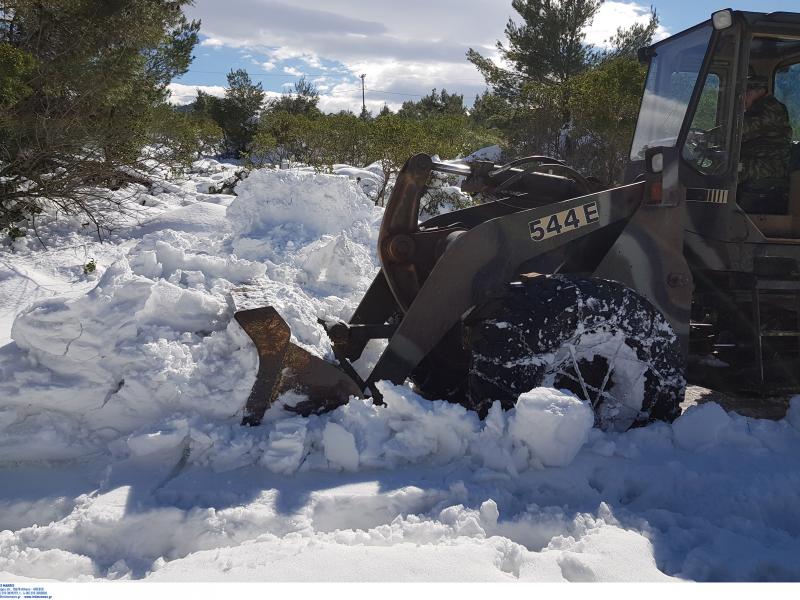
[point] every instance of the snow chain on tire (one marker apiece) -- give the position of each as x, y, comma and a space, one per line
596, 338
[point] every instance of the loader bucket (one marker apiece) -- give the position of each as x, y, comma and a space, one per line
284, 366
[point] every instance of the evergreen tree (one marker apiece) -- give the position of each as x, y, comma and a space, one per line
433, 105
547, 47
490, 111
547, 51
84, 86
238, 112
301, 100
604, 102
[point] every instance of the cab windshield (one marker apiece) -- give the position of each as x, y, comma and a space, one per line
674, 69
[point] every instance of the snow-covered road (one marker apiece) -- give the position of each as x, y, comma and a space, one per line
121, 456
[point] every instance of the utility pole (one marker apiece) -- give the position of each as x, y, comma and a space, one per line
363, 96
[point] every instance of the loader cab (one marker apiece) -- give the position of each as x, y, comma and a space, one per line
691, 121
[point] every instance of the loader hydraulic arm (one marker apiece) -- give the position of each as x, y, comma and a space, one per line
409, 252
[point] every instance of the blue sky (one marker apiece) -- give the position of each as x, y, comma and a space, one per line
404, 48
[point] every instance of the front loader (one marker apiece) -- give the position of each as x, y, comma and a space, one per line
551, 281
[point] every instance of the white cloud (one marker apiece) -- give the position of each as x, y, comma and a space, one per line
613, 15
213, 42
185, 94
292, 71
403, 47
312, 61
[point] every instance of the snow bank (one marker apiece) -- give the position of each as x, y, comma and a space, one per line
547, 428
154, 342
492, 153
311, 204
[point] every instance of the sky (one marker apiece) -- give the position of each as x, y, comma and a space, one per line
404, 48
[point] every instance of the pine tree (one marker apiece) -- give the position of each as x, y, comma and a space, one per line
85, 94
546, 51
547, 47
301, 100
237, 113
433, 105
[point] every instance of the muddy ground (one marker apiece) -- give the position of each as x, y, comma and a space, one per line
762, 407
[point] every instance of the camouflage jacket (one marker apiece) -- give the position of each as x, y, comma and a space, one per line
766, 141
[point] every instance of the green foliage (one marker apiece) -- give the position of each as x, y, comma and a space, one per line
186, 135
84, 93
604, 102
561, 96
302, 100
548, 46
706, 115
625, 43
89, 267
491, 111
236, 114
325, 140
433, 105
16, 67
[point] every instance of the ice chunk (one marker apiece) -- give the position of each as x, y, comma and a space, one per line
286, 446
553, 424
340, 447
156, 441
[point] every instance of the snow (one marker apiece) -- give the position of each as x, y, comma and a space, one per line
122, 457
553, 424
703, 425
492, 153
340, 447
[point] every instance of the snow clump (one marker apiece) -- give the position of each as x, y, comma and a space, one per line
553, 424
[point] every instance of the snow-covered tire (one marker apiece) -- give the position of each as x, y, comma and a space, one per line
597, 338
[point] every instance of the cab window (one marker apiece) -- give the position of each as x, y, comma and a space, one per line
787, 90
707, 145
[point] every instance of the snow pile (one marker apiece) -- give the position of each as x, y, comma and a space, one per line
210, 175
370, 179
491, 153
547, 428
154, 340
310, 204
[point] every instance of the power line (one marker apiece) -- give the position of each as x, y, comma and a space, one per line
399, 93
271, 74
328, 74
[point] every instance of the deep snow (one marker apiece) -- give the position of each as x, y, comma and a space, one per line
121, 455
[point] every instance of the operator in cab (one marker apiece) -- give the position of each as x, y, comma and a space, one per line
766, 148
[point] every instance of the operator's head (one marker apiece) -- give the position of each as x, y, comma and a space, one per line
756, 88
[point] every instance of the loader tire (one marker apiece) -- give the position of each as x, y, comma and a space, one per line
595, 338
